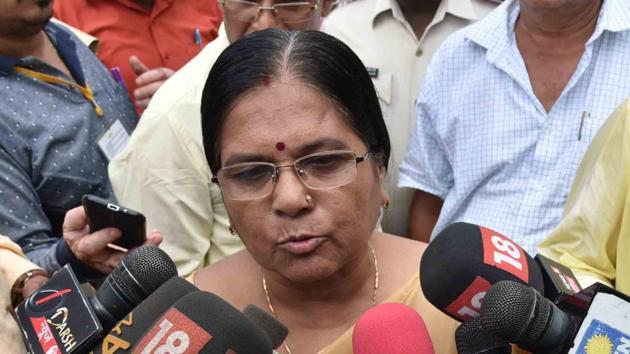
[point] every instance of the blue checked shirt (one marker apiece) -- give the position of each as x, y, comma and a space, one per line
482, 140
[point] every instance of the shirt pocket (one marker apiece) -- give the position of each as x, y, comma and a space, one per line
383, 86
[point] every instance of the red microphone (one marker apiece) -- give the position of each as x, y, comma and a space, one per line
391, 328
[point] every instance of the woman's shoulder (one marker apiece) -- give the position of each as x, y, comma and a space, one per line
230, 278
398, 260
398, 246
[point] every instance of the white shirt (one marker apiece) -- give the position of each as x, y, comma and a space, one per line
377, 31
483, 141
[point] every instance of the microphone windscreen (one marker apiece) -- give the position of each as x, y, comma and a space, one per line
391, 328
463, 261
472, 339
276, 331
128, 330
142, 271
521, 315
202, 322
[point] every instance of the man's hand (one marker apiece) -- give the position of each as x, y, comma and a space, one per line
148, 81
91, 249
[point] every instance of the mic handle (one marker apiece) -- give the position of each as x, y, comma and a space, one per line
117, 306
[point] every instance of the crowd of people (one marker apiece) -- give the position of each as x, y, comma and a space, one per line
305, 152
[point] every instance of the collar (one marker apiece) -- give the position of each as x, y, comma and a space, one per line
458, 8
614, 16
498, 26
66, 47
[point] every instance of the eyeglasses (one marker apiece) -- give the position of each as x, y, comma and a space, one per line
322, 170
287, 12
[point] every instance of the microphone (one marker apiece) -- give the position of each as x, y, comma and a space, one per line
471, 339
460, 265
140, 273
202, 322
391, 328
58, 318
593, 320
521, 315
560, 282
275, 330
134, 324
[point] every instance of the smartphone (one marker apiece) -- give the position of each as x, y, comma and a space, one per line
102, 214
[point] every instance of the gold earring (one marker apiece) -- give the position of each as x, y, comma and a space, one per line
386, 204
308, 198
232, 231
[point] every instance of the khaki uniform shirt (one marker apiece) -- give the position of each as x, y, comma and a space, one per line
163, 171
377, 31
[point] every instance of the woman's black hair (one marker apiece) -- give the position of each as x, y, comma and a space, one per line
315, 58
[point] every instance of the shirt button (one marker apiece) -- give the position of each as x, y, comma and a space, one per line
418, 52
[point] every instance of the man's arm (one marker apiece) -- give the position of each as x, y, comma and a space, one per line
22, 217
425, 209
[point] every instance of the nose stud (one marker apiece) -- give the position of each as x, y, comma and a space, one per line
308, 198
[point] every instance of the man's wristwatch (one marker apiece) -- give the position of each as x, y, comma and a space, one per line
20, 282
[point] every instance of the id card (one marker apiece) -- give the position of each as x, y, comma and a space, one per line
114, 140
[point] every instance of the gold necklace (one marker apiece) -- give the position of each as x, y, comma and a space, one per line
264, 284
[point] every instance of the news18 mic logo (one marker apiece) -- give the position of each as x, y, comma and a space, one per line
601, 338
498, 252
174, 332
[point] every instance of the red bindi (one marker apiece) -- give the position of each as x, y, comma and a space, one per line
266, 79
280, 146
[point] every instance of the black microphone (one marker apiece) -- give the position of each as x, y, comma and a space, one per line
135, 323
202, 322
472, 339
140, 273
560, 282
59, 318
462, 263
593, 320
275, 330
521, 315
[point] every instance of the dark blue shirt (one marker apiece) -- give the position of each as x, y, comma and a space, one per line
49, 154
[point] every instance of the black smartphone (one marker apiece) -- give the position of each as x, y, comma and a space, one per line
102, 214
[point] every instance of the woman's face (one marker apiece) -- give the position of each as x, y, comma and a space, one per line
303, 241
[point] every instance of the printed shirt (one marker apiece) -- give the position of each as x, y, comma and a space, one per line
49, 155
483, 141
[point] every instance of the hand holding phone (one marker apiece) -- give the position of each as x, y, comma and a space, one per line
102, 214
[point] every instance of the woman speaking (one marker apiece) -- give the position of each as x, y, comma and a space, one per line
295, 138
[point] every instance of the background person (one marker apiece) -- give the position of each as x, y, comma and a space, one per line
58, 104
374, 29
554, 70
147, 39
163, 173
293, 131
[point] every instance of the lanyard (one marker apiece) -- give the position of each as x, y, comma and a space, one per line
85, 90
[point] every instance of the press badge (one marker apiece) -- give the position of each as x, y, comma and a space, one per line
114, 140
